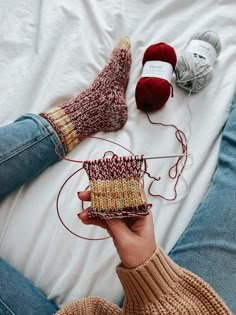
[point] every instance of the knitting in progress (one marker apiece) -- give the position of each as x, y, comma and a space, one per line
101, 107
116, 187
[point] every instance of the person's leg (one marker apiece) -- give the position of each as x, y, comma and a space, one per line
27, 145
208, 245
102, 106
26, 149
18, 296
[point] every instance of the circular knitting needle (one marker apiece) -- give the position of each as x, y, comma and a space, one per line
173, 155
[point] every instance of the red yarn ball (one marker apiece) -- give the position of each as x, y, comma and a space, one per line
152, 93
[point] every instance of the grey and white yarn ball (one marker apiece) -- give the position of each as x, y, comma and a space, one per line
193, 71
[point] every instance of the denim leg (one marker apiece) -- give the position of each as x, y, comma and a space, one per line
26, 149
18, 296
208, 245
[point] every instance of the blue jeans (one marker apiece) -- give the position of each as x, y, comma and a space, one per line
208, 245
18, 296
26, 149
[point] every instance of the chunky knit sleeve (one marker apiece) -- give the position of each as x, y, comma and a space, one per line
157, 287
90, 306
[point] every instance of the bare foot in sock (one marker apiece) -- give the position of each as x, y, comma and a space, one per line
102, 106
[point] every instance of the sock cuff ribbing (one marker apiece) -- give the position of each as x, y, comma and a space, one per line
63, 125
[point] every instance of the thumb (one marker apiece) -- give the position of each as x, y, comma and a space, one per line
118, 228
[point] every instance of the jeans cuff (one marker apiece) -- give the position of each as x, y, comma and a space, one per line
46, 126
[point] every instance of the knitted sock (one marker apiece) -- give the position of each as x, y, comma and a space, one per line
101, 107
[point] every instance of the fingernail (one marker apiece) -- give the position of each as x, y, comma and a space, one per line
78, 193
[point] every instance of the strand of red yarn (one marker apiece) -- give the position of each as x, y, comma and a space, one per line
59, 215
182, 139
85, 137
153, 91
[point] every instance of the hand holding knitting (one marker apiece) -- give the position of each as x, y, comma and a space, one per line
133, 238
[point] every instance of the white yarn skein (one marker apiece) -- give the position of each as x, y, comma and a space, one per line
193, 71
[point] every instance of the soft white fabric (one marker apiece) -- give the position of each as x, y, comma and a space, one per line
52, 50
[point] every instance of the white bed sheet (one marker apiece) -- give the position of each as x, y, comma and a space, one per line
52, 50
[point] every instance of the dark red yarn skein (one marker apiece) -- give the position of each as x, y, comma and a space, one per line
152, 93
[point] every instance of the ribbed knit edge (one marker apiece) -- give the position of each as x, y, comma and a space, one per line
64, 127
151, 280
159, 286
159, 276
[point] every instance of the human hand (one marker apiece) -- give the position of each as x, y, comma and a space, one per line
133, 238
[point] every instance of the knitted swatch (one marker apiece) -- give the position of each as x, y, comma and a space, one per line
116, 187
101, 107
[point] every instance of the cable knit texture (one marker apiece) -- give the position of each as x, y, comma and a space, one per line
158, 286
101, 107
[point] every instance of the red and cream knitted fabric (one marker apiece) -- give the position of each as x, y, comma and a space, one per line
101, 107
116, 187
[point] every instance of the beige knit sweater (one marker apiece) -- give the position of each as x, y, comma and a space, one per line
159, 286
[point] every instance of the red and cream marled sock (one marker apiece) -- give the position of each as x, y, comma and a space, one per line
101, 107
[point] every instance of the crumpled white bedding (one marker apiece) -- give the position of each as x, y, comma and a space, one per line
52, 50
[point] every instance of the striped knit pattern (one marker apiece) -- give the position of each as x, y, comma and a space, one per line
64, 127
101, 107
116, 187
159, 286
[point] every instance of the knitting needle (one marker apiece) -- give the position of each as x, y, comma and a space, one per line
166, 156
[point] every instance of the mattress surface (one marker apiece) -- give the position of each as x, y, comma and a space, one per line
51, 51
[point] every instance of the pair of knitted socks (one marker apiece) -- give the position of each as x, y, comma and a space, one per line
101, 107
